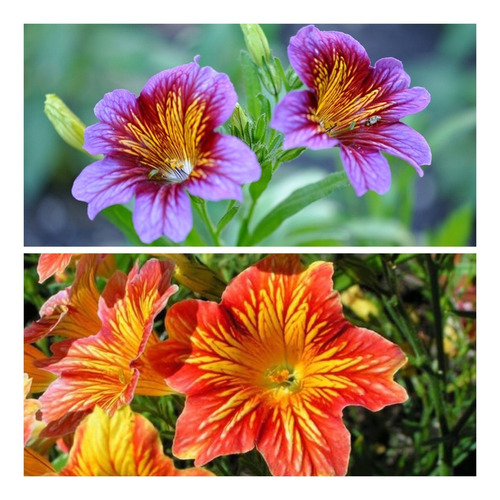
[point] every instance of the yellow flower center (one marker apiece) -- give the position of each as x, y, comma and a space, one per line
282, 377
168, 143
344, 104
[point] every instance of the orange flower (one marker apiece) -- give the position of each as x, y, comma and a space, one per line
72, 312
104, 369
126, 444
273, 365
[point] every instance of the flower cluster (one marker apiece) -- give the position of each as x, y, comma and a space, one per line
163, 148
271, 366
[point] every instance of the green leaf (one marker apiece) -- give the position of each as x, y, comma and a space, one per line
298, 200
121, 217
290, 154
252, 84
227, 217
294, 81
260, 129
456, 230
281, 73
258, 187
265, 106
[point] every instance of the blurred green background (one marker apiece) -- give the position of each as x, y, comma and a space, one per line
80, 63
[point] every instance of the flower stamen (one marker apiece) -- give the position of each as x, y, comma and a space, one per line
282, 377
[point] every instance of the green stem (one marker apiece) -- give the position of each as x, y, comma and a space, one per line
243, 233
202, 210
446, 448
438, 320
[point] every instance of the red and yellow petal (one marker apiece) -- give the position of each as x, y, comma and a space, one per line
356, 367
128, 308
299, 438
283, 305
51, 314
93, 371
214, 424
126, 444
52, 263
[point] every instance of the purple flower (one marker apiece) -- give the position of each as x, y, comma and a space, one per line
161, 144
352, 105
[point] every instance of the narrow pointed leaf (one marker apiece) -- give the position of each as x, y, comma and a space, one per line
252, 84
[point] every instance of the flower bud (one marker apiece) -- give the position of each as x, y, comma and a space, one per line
238, 120
193, 274
256, 43
271, 80
66, 123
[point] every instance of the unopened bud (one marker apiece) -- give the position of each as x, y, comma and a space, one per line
66, 123
256, 43
199, 278
238, 120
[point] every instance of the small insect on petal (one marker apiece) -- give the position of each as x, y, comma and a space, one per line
372, 120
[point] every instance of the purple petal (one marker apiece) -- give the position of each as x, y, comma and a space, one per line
389, 73
162, 210
313, 55
366, 169
231, 164
393, 81
291, 117
114, 110
107, 182
397, 139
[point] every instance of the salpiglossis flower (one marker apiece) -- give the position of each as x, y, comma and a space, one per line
162, 144
272, 366
125, 444
352, 105
72, 312
106, 369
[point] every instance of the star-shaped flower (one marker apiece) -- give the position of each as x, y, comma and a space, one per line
272, 366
